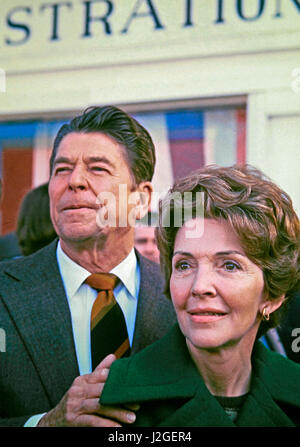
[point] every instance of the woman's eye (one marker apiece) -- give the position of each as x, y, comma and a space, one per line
231, 266
182, 266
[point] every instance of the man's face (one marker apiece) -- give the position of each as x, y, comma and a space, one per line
87, 164
145, 243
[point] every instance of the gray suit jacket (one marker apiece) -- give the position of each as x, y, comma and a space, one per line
39, 363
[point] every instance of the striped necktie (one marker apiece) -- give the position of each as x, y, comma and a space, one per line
108, 327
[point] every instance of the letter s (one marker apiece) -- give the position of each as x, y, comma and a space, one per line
20, 26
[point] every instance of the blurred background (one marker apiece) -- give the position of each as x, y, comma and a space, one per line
214, 81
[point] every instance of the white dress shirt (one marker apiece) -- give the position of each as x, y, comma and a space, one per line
81, 297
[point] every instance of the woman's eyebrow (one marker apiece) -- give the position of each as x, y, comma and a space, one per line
219, 253
183, 253
230, 252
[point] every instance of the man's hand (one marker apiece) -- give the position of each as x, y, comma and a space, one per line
80, 406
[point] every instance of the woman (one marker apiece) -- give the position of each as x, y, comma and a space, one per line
230, 274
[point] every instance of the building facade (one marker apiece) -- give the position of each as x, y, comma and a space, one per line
214, 81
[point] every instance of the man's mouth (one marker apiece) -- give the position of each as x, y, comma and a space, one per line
79, 207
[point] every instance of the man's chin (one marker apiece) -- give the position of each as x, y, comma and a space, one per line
82, 235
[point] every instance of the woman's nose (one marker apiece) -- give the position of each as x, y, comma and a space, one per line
204, 282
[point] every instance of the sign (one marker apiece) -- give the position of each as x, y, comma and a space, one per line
44, 34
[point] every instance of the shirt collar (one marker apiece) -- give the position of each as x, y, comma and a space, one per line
74, 275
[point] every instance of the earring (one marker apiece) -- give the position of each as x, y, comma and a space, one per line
266, 316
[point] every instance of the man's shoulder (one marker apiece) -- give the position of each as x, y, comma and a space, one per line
42, 259
150, 265
149, 268
152, 282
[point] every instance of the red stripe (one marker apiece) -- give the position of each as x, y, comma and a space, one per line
241, 136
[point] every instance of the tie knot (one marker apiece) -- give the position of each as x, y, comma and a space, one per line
102, 281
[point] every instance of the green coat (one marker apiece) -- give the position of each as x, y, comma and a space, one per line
164, 380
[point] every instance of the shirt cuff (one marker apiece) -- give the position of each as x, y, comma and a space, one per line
34, 420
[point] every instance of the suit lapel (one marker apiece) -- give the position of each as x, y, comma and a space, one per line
34, 294
144, 293
155, 313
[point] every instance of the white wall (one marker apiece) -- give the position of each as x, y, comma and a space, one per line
259, 59
273, 136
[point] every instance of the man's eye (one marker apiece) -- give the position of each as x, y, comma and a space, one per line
98, 169
62, 169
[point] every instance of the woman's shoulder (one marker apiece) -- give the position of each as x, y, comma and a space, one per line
274, 360
280, 374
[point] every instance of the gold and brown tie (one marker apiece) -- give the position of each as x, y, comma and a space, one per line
108, 327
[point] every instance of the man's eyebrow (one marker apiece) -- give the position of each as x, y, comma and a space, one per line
96, 159
62, 160
93, 159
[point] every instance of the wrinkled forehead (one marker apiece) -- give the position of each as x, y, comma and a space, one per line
92, 147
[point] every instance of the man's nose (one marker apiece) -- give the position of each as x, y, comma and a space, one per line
149, 246
204, 282
78, 178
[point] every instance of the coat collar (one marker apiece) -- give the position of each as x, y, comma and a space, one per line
44, 323
170, 374
165, 371
165, 377
275, 383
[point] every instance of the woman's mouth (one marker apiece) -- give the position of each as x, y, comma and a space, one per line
206, 316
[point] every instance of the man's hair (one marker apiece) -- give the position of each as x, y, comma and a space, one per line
260, 213
125, 130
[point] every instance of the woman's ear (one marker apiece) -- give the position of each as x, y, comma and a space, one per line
271, 305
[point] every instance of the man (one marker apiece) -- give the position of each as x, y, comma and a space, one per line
101, 170
144, 238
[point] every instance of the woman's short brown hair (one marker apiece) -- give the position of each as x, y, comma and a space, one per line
261, 215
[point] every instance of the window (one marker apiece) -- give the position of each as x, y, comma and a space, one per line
185, 138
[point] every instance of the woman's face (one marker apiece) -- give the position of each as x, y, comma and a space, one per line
217, 292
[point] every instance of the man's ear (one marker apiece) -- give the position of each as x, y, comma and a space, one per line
145, 190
